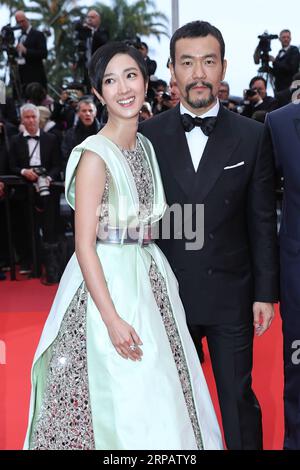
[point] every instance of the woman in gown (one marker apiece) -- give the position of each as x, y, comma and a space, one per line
115, 367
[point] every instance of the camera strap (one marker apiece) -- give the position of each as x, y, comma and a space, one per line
34, 149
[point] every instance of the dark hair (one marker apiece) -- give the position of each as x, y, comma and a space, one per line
104, 54
196, 29
254, 79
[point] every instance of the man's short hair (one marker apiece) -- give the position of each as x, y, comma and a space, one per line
258, 77
86, 100
29, 107
196, 29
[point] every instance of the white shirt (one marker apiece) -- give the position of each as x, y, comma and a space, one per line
34, 146
195, 138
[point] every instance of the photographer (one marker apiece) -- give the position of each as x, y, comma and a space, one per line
256, 99
150, 64
31, 49
64, 110
35, 155
87, 125
98, 34
286, 63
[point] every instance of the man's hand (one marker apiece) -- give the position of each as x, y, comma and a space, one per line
21, 48
263, 314
30, 175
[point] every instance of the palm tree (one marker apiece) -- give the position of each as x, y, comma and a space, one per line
126, 21
57, 18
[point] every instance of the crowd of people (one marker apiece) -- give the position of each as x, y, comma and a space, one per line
207, 153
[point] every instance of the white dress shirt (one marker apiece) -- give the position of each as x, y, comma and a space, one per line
195, 138
34, 149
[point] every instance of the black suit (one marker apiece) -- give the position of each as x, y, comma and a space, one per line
49, 151
33, 70
48, 205
219, 283
285, 66
100, 37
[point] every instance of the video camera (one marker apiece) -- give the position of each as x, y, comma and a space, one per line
264, 47
7, 40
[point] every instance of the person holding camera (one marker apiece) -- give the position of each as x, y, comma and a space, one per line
286, 63
31, 49
256, 98
35, 155
99, 35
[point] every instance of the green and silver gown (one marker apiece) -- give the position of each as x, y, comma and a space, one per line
84, 394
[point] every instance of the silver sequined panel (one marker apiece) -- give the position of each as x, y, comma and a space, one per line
142, 177
65, 419
141, 173
160, 292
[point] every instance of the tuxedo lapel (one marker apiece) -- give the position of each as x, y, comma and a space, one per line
24, 151
177, 152
217, 153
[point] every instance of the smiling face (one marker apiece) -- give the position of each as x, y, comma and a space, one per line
198, 71
123, 87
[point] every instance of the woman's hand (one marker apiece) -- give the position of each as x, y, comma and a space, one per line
125, 339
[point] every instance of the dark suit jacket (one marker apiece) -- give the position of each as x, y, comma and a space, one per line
238, 262
285, 67
33, 70
49, 149
100, 37
284, 127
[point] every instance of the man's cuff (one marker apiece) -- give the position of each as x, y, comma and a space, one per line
23, 171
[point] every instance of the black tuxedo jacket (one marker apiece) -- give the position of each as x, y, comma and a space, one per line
285, 67
238, 262
49, 150
33, 70
100, 37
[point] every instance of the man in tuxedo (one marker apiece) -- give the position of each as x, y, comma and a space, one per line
231, 283
29, 151
284, 127
286, 63
32, 49
99, 35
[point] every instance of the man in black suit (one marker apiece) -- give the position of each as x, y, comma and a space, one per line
32, 49
286, 63
258, 100
231, 283
284, 127
150, 64
99, 35
28, 151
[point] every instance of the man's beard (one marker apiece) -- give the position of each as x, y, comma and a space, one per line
201, 102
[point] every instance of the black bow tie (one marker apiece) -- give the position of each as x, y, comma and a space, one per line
207, 124
35, 137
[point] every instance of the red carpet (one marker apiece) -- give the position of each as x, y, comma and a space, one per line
23, 310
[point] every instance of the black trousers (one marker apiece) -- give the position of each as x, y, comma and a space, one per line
231, 348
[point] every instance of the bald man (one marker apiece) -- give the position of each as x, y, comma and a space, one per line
99, 33
32, 49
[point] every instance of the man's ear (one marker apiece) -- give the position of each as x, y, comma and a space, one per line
171, 67
224, 69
